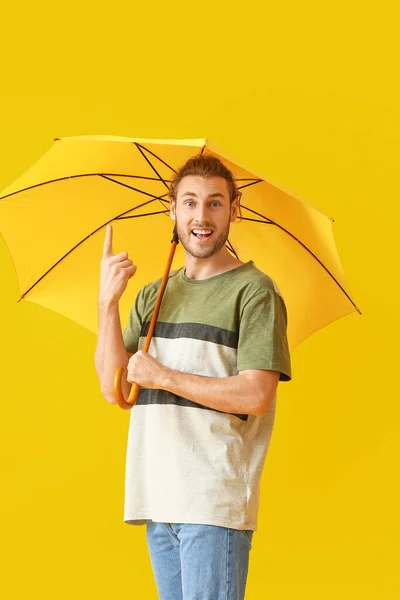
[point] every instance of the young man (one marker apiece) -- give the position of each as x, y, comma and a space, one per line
200, 429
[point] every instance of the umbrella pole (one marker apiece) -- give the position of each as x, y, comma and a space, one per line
133, 394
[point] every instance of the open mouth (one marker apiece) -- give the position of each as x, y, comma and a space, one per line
202, 234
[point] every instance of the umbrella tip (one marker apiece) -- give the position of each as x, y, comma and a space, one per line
56, 139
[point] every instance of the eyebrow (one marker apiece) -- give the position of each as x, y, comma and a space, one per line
215, 195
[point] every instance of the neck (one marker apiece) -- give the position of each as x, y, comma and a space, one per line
203, 268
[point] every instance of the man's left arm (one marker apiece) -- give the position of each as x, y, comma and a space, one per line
250, 392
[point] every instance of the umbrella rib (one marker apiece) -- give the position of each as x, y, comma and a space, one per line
256, 221
252, 182
270, 222
105, 175
231, 248
160, 212
167, 209
139, 147
161, 199
132, 188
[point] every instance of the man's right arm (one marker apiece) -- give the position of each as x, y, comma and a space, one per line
110, 351
115, 272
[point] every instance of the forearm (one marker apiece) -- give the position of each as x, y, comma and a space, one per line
238, 394
110, 351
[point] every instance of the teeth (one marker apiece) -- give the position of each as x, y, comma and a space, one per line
202, 231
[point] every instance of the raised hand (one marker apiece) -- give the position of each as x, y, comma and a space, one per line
115, 272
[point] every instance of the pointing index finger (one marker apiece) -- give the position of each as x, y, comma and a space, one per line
107, 248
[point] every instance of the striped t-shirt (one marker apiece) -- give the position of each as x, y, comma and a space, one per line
185, 462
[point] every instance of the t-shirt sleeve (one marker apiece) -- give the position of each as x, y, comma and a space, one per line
131, 333
263, 342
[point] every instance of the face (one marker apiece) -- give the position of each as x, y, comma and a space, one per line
203, 213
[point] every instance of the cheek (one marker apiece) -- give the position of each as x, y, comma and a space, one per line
182, 219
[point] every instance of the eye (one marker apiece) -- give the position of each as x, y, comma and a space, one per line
189, 203
215, 204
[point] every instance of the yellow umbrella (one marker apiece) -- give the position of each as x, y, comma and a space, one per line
53, 221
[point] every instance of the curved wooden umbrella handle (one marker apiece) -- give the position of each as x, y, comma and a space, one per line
119, 396
133, 394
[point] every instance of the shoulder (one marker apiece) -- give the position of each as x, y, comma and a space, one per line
257, 282
262, 298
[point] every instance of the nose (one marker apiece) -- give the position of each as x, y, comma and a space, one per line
202, 213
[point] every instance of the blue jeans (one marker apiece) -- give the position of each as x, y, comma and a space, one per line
198, 562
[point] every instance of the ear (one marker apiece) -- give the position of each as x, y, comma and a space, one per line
172, 210
235, 208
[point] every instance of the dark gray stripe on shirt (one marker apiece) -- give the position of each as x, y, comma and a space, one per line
147, 396
196, 331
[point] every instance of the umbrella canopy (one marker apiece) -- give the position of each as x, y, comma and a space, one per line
53, 220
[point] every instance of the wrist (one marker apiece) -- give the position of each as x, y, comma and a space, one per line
107, 306
167, 379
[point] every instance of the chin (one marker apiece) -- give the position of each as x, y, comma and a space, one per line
202, 255
196, 252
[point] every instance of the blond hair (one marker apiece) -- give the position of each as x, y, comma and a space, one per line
204, 165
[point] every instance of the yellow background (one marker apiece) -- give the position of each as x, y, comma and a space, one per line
307, 94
